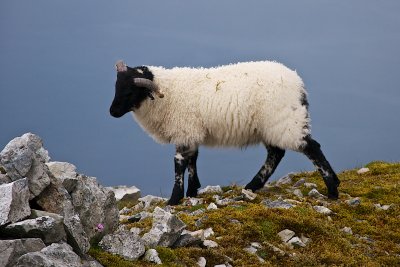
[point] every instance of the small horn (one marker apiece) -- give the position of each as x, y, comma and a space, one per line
141, 82
120, 66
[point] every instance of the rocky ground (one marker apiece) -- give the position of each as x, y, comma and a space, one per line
49, 214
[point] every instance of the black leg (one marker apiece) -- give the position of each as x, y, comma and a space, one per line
181, 161
312, 150
193, 180
275, 155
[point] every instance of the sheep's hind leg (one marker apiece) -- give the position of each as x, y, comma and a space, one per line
275, 155
193, 180
312, 150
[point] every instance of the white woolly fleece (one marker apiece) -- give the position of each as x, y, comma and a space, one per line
235, 105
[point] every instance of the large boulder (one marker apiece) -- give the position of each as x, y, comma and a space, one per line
165, 231
124, 243
49, 229
95, 205
65, 172
11, 250
14, 201
25, 157
55, 199
57, 254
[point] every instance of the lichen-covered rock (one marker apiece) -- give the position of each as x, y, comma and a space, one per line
49, 229
124, 243
322, 210
166, 229
286, 235
277, 204
25, 157
66, 172
211, 189
315, 194
14, 201
11, 250
125, 193
152, 256
149, 200
248, 195
57, 254
95, 205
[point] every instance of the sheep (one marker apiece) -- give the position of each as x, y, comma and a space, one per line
235, 105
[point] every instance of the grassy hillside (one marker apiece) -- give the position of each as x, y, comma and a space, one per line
375, 238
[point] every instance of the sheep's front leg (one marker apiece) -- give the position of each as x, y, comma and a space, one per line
181, 161
193, 180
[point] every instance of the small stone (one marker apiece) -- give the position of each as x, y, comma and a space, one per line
201, 262
151, 255
286, 235
347, 230
256, 245
322, 210
207, 233
197, 212
296, 242
382, 207
250, 250
211, 189
310, 185
299, 182
151, 200
212, 206
210, 244
353, 201
314, 193
224, 202
305, 239
193, 201
275, 249
363, 170
248, 195
298, 193
277, 204
287, 179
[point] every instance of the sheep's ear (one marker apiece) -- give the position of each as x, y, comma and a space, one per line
120, 66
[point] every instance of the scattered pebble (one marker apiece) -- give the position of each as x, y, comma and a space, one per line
363, 170
299, 182
197, 212
193, 201
353, 201
201, 262
347, 230
152, 256
322, 210
296, 242
211, 189
298, 193
310, 185
212, 206
314, 193
277, 204
248, 195
382, 207
210, 244
286, 235
285, 179
275, 249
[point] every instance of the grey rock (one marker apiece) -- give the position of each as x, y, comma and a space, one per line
363, 170
57, 254
256, 245
305, 240
139, 216
277, 204
286, 235
287, 179
95, 205
150, 200
353, 201
382, 207
193, 201
189, 239
310, 185
14, 201
151, 255
322, 210
211, 189
4, 179
315, 194
11, 250
126, 244
55, 199
66, 172
197, 212
126, 193
299, 183
347, 230
298, 193
49, 229
166, 229
25, 157
201, 262
248, 195
210, 244
212, 206
296, 242
224, 201
250, 249
125, 211
275, 249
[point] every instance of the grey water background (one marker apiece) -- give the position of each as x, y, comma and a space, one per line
57, 78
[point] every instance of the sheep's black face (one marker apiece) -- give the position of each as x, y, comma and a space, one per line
128, 96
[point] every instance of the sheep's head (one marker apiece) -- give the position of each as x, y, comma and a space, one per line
132, 87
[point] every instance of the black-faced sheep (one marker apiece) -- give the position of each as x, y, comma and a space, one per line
228, 106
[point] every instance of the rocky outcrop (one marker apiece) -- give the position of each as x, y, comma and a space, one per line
12, 250
14, 201
124, 243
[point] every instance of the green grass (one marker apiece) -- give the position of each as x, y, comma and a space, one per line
237, 225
